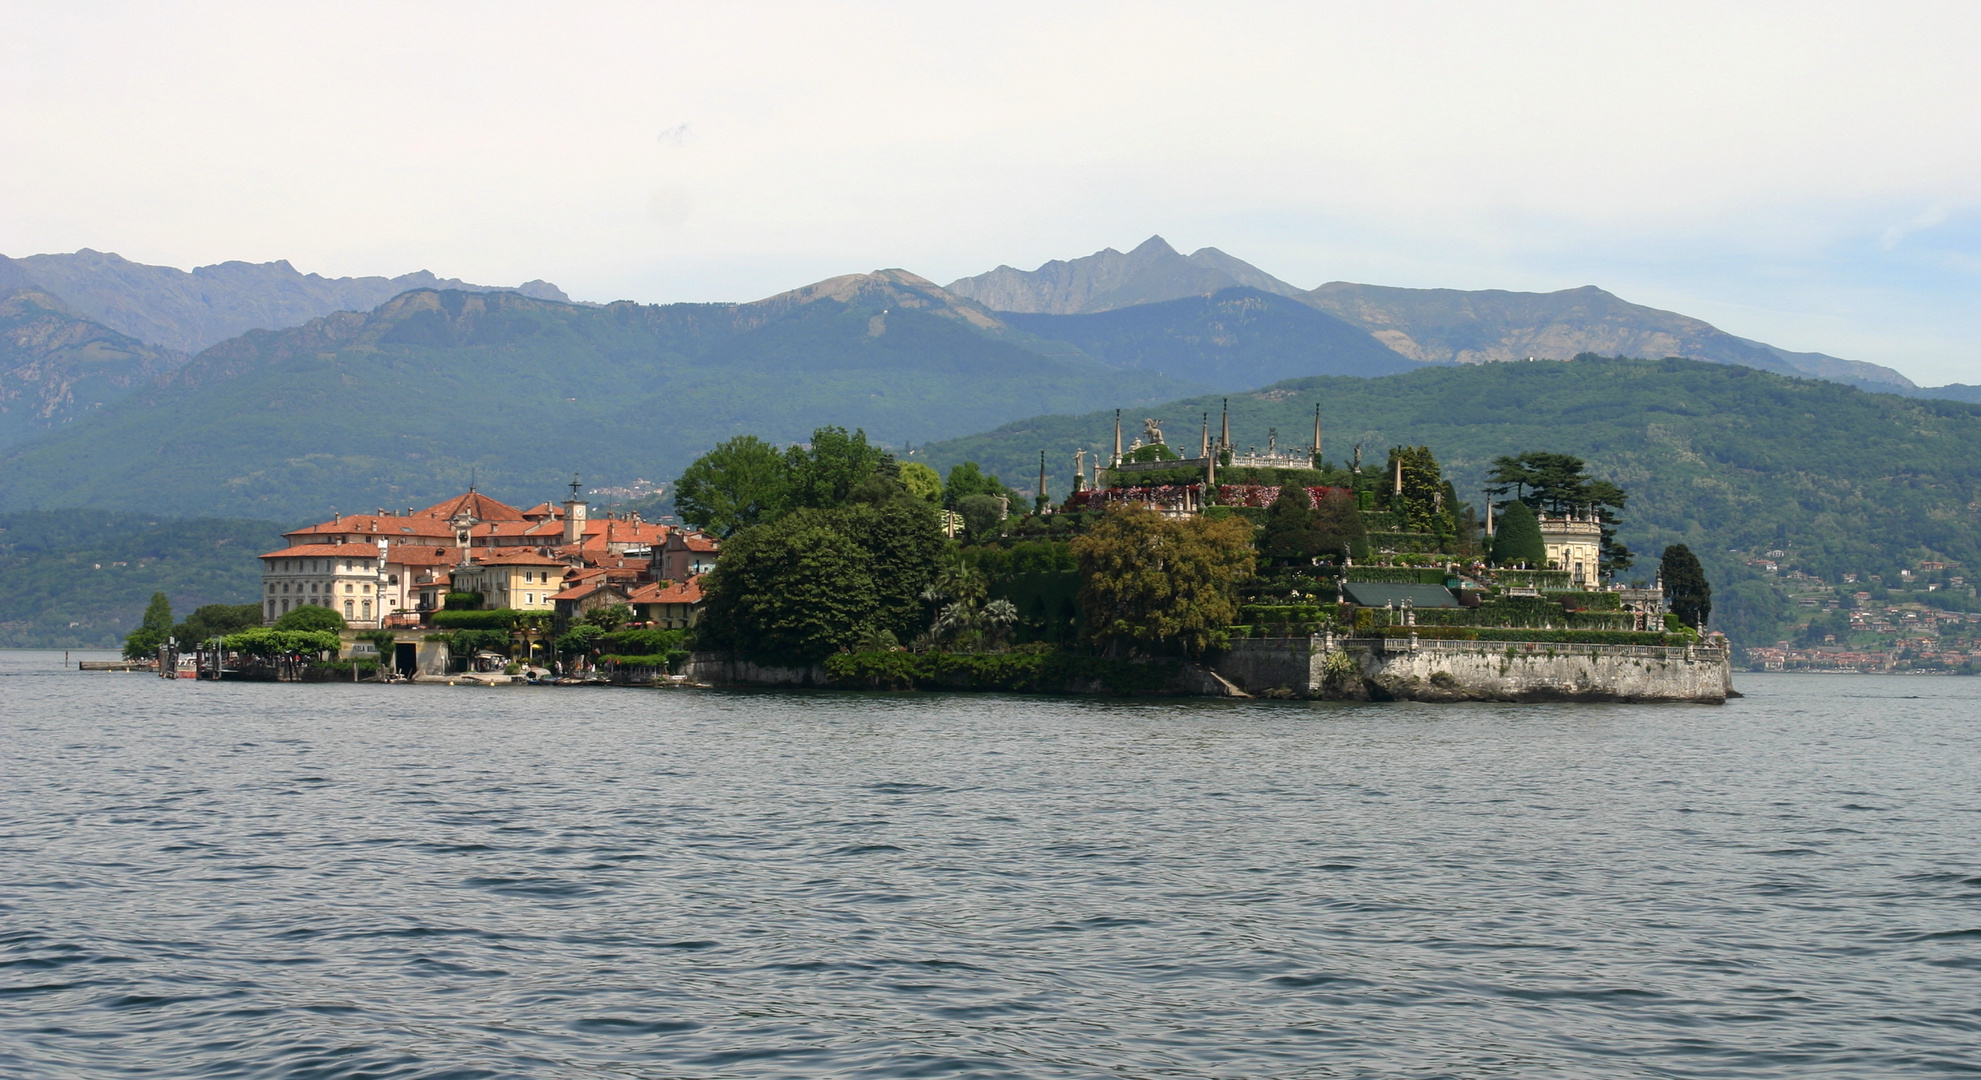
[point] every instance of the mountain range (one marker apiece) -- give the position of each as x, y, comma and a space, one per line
410, 401
359, 391
186, 311
1428, 325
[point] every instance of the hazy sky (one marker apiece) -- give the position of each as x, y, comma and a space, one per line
1807, 174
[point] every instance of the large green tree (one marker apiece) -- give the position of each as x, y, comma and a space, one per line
311, 617
966, 480
982, 515
921, 481
1291, 531
1338, 526
1422, 504
1153, 582
817, 580
795, 589
217, 620
152, 632
742, 482
1517, 538
1687, 593
903, 538
837, 467
1561, 484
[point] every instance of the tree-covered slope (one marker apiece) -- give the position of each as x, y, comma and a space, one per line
1234, 339
80, 579
403, 404
56, 365
1717, 456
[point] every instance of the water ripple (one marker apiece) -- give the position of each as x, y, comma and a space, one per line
359, 881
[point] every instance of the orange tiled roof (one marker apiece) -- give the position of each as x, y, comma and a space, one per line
580, 591
669, 592
423, 555
371, 526
320, 551
474, 503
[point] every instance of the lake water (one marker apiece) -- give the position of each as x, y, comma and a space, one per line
252, 880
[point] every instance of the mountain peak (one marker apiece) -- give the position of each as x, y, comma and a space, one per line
1108, 280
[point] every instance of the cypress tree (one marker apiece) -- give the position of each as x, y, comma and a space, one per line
1517, 537
152, 632
1687, 592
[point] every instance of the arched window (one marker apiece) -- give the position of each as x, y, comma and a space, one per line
348, 609
367, 609
285, 607
271, 609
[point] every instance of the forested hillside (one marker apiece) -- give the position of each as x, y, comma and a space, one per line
1732, 461
404, 404
80, 579
1234, 339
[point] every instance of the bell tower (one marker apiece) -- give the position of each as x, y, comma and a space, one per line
575, 510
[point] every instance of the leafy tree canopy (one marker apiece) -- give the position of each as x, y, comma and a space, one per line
1292, 528
966, 480
311, 617
1560, 484
922, 481
1422, 500
817, 580
1151, 581
1338, 527
981, 514
217, 620
741, 482
836, 467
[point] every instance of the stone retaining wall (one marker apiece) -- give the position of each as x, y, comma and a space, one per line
1322, 666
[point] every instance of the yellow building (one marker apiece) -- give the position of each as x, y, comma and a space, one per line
518, 578
1575, 545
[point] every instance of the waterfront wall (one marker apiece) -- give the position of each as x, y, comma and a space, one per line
719, 669
1322, 666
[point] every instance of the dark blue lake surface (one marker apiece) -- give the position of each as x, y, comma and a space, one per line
281, 881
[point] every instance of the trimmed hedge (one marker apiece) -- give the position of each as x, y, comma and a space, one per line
1586, 601
1543, 580
1033, 672
497, 619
